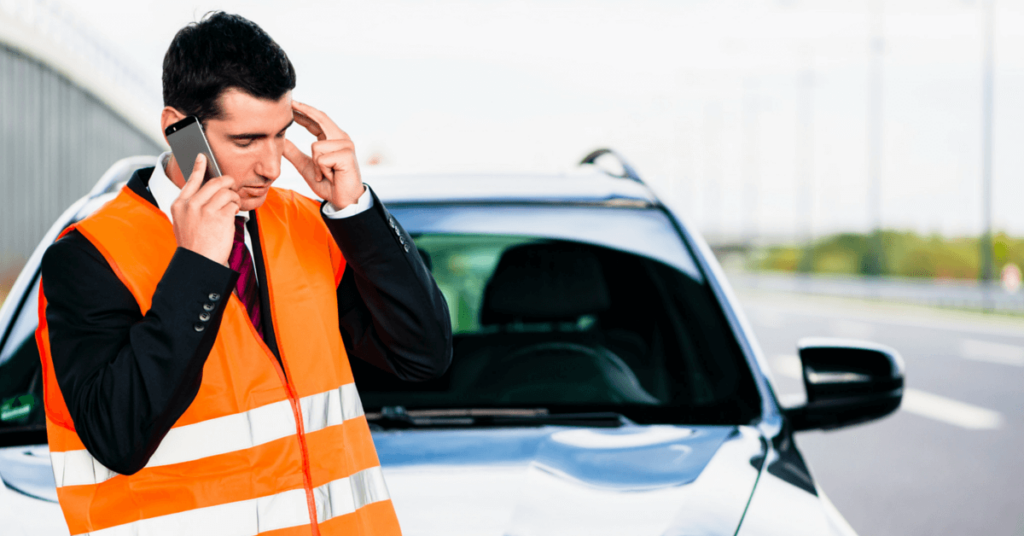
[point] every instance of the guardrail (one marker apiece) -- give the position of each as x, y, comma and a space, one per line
957, 294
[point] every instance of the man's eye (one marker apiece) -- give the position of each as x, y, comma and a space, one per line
241, 143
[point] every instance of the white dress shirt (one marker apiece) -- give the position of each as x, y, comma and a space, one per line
166, 192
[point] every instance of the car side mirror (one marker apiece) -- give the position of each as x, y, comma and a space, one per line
848, 382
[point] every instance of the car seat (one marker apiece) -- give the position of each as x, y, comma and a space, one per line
539, 349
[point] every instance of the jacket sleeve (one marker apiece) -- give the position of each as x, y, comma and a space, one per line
127, 378
391, 312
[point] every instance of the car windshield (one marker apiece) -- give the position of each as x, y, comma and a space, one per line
570, 309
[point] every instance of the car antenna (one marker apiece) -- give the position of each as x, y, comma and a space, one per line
628, 172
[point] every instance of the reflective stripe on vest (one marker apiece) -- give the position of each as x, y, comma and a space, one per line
220, 435
249, 518
261, 447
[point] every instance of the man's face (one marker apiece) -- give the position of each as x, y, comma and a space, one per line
248, 141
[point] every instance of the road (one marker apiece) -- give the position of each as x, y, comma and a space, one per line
951, 460
960, 294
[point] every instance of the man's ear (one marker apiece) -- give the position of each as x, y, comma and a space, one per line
168, 117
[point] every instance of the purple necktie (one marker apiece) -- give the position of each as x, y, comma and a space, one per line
241, 262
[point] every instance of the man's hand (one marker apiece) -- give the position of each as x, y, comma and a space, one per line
204, 214
332, 172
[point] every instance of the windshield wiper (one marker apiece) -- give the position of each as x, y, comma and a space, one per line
399, 417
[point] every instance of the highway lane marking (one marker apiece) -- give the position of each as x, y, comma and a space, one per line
789, 366
950, 411
920, 403
992, 352
851, 329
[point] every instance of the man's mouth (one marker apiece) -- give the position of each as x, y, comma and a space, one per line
256, 188
262, 187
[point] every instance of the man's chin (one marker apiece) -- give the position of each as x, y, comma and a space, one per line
252, 198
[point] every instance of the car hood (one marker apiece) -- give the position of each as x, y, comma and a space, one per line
637, 480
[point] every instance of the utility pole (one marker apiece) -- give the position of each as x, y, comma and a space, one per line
713, 213
875, 262
805, 160
987, 271
751, 176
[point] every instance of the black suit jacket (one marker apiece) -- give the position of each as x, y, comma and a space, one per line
128, 377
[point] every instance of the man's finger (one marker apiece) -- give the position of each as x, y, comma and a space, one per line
327, 126
225, 198
322, 163
195, 180
332, 146
312, 126
302, 162
337, 161
211, 188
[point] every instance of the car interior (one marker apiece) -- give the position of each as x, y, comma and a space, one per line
572, 326
22, 419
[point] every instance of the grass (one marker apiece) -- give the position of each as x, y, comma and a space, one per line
899, 253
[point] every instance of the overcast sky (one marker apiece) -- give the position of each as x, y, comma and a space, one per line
702, 96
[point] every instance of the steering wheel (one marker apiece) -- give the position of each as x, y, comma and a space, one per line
562, 373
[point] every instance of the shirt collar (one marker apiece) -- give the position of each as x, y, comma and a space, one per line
166, 192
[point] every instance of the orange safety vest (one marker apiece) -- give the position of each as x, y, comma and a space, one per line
260, 450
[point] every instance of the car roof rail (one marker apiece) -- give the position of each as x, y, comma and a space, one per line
120, 172
628, 172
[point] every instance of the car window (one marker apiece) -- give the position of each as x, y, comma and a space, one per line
21, 389
644, 231
571, 325
655, 346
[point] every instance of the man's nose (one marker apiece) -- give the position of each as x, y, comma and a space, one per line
269, 164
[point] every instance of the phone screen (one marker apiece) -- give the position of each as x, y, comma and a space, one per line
187, 141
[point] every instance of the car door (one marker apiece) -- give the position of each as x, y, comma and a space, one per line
28, 499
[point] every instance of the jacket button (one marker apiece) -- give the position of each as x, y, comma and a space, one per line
401, 239
199, 327
209, 306
406, 248
204, 317
214, 296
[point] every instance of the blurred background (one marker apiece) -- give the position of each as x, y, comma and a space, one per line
854, 164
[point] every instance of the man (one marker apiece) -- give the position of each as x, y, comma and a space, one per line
195, 337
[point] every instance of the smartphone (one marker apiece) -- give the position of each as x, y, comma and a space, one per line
187, 141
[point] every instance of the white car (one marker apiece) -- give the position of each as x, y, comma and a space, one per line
604, 380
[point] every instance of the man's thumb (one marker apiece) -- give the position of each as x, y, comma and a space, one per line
303, 163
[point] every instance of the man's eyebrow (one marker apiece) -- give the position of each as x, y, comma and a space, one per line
259, 135
290, 123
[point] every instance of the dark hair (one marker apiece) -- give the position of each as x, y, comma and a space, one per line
220, 52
